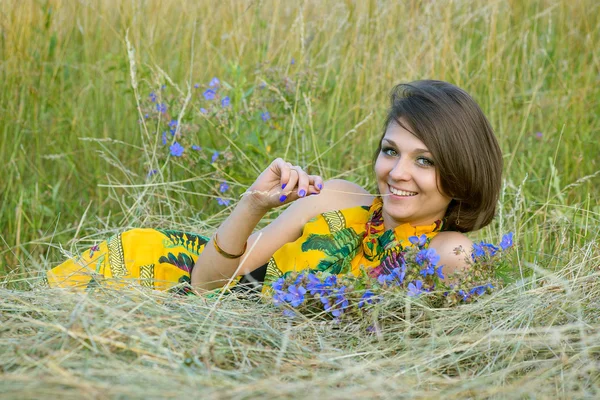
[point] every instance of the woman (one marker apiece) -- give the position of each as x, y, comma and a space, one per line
438, 168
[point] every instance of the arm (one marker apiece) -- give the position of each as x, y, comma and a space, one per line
212, 270
445, 244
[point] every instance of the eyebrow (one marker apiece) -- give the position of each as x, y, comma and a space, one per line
415, 151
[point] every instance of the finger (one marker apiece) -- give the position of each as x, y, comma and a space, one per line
283, 172
316, 181
290, 186
303, 182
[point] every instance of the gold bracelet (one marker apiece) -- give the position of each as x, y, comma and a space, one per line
224, 253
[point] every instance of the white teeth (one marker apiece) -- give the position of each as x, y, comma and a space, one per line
402, 192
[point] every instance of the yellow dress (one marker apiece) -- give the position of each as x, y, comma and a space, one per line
339, 242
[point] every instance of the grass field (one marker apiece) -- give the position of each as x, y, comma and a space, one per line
89, 87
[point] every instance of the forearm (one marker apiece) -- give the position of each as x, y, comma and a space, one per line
213, 270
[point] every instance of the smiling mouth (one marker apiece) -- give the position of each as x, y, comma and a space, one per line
401, 192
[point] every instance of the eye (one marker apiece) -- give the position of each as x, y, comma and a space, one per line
388, 151
424, 162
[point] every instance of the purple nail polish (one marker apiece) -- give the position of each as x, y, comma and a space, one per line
282, 198
302, 193
284, 185
320, 186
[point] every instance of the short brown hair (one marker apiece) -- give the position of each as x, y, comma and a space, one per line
460, 138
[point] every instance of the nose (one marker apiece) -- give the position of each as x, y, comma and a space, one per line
401, 171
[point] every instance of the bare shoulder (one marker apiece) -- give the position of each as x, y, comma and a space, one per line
454, 249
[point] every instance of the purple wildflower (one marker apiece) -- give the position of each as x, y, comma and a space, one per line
507, 241
223, 202
414, 289
196, 86
164, 138
477, 251
153, 97
209, 94
490, 247
215, 156
427, 255
203, 110
439, 272
278, 284
295, 295
223, 187
151, 173
176, 149
196, 148
366, 298
418, 241
214, 82
293, 61
289, 313
225, 102
161, 107
265, 116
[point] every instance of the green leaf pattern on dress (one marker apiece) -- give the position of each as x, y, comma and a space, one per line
339, 249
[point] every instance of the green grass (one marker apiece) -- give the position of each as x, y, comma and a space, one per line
76, 157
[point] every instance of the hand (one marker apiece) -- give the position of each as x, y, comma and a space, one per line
282, 183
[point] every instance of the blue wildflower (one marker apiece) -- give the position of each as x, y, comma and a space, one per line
279, 298
153, 97
427, 255
326, 303
161, 107
293, 61
289, 313
223, 202
278, 284
414, 289
214, 82
330, 281
225, 102
478, 251
163, 87
480, 290
146, 116
164, 138
223, 187
366, 298
295, 295
209, 94
196, 86
464, 295
429, 270
418, 241
490, 247
399, 273
176, 149
196, 148
215, 156
314, 284
439, 272
383, 279
203, 110
507, 241
265, 116
151, 173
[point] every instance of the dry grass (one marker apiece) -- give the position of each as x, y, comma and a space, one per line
76, 161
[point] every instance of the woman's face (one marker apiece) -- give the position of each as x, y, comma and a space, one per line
407, 179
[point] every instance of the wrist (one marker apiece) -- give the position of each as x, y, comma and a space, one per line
252, 206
